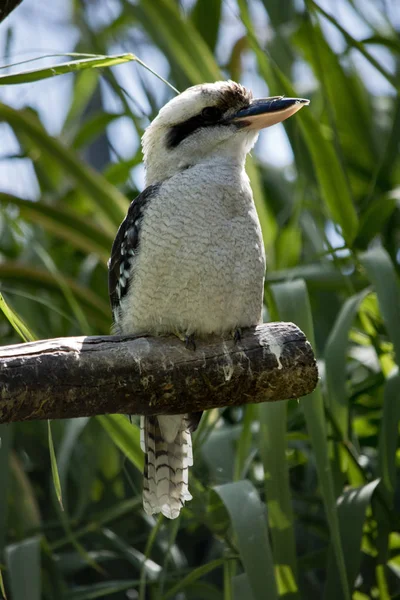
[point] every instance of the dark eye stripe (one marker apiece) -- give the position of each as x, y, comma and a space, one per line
179, 132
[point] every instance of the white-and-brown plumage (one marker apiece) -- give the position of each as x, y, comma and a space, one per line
189, 256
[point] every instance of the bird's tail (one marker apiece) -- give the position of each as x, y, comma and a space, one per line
167, 443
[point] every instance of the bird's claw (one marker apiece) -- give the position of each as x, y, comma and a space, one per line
190, 342
237, 335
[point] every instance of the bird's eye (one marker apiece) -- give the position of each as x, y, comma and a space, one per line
211, 113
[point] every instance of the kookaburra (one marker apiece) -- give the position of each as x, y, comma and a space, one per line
189, 257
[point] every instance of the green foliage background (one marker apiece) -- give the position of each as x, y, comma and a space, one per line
298, 499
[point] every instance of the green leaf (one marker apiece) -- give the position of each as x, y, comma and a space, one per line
75, 307
382, 274
374, 219
268, 222
16, 322
2, 588
335, 362
248, 522
292, 302
206, 15
105, 197
125, 435
136, 558
68, 67
27, 274
93, 128
328, 169
357, 45
6, 438
179, 39
343, 92
241, 588
244, 444
272, 444
72, 432
194, 576
352, 506
63, 223
54, 468
389, 434
23, 565
101, 590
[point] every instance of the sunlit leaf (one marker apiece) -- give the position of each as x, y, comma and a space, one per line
179, 38
2, 588
125, 435
329, 172
62, 68
382, 274
54, 467
16, 322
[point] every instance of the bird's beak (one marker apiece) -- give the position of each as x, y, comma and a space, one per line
264, 112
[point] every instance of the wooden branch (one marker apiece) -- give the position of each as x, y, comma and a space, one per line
85, 376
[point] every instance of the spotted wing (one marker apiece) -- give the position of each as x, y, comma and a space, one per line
124, 250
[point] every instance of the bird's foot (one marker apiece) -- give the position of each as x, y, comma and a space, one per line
237, 335
187, 339
190, 342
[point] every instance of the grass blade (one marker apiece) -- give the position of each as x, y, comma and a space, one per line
125, 435
54, 468
68, 294
272, 444
335, 362
352, 506
358, 45
16, 322
293, 305
67, 67
2, 588
248, 522
382, 274
194, 576
27, 274
6, 436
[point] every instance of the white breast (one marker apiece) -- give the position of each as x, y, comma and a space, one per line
201, 263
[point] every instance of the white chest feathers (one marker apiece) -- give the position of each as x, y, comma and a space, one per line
200, 263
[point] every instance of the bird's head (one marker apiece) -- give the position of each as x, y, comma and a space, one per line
212, 121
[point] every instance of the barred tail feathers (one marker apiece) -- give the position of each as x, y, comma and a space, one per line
167, 444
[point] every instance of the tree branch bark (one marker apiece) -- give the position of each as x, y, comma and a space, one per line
85, 376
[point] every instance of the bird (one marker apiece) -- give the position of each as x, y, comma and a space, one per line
189, 259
